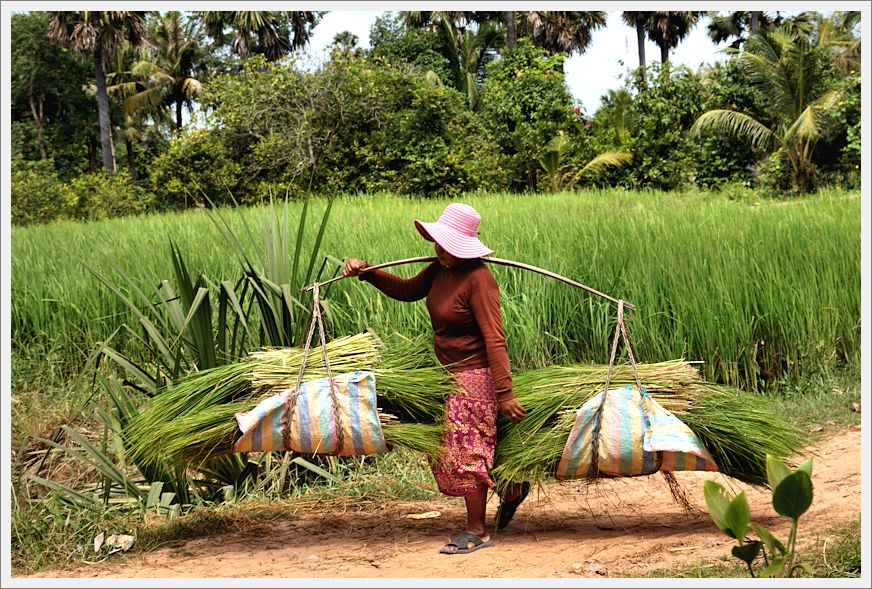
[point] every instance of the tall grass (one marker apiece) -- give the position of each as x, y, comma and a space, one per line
752, 290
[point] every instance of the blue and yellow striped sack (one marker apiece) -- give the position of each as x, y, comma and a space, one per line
312, 428
637, 437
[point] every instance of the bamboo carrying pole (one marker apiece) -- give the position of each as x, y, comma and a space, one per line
491, 260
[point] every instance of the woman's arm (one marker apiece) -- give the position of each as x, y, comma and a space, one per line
402, 289
484, 301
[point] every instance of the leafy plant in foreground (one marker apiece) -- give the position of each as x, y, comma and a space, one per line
792, 494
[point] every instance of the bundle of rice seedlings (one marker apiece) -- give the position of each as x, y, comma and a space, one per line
195, 406
738, 428
196, 417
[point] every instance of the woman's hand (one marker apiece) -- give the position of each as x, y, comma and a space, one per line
353, 267
513, 410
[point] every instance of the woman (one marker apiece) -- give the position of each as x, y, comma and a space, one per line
464, 304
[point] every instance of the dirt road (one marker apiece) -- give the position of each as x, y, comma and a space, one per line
614, 528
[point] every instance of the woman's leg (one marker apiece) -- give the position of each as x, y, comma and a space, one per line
476, 506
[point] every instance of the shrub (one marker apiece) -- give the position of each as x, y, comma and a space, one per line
667, 100
195, 166
352, 125
101, 196
38, 196
525, 104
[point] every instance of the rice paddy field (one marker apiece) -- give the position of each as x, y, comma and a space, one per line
762, 295
753, 289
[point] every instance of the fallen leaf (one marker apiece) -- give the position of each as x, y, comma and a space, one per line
855, 406
815, 428
838, 391
425, 515
98, 541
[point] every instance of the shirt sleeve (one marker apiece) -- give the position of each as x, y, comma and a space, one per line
402, 289
484, 301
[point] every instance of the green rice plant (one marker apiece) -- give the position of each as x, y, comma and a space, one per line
753, 290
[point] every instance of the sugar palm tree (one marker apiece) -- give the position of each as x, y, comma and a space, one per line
566, 32
168, 75
781, 64
736, 26
638, 20
97, 37
668, 29
273, 34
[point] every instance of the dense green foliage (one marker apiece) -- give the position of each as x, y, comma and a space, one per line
349, 126
421, 110
525, 103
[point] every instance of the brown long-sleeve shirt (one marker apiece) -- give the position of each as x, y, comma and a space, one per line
464, 306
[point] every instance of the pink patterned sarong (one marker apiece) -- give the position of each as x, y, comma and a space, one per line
469, 436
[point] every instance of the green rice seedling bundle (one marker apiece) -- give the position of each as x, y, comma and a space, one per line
199, 403
196, 417
738, 428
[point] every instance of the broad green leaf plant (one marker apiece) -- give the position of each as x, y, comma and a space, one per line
792, 494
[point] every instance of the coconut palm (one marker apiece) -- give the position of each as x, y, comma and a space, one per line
563, 176
273, 34
169, 74
782, 64
97, 37
469, 53
638, 20
837, 33
617, 112
562, 32
669, 28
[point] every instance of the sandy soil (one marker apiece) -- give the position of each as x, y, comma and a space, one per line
614, 528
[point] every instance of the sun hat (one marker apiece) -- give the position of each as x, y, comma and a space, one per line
456, 231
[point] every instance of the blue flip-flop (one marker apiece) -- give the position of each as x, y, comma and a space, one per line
461, 543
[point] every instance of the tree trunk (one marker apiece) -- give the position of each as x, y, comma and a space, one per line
640, 39
511, 30
664, 54
755, 20
105, 124
131, 159
92, 155
37, 108
178, 116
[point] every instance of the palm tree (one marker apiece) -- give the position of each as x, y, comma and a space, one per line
563, 32
98, 36
469, 53
837, 32
781, 64
736, 26
638, 20
617, 110
667, 29
273, 34
169, 74
563, 176
510, 21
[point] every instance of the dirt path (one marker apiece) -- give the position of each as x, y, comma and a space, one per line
615, 528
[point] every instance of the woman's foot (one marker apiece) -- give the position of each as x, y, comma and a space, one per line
510, 502
465, 542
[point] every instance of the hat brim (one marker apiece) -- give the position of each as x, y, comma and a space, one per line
455, 243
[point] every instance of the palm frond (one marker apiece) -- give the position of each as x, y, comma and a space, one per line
609, 159
738, 125
809, 126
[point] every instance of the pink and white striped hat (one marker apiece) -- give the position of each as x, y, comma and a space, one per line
456, 231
